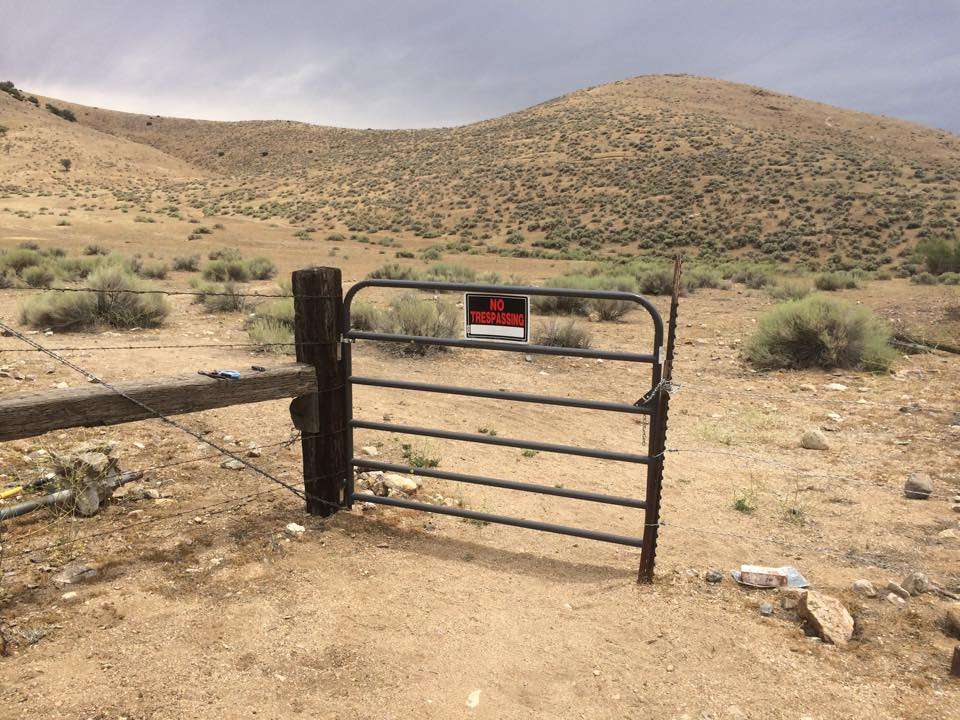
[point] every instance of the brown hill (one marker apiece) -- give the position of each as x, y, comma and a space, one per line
643, 165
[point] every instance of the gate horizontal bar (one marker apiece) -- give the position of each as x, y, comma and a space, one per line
506, 442
500, 395
501, 519
495, 482
505, 346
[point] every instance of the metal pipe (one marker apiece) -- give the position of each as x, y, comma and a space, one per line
61, 496
495, 482
501, 520
501, 395
506, 442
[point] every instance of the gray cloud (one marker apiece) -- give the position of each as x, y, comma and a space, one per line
418, 63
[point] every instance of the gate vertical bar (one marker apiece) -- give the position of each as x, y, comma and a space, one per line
658, 440
318, 314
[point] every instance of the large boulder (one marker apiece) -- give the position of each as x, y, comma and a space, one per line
827, 616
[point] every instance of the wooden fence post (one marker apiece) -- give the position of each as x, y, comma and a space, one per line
321, 417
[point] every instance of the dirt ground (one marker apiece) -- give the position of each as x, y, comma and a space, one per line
203, 612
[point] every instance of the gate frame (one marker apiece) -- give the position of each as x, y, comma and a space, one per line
324, 339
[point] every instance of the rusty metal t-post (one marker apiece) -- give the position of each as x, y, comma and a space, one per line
658, 439
321, 417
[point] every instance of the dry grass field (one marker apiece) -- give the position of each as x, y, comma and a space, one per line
202, 606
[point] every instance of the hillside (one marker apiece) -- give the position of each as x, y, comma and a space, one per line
643, 165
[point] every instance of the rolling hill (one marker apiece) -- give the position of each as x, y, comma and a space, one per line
646, 165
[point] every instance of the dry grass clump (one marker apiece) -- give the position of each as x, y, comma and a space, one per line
832, 281
110, 305
820, 332
562, 333
420, 317
790, 289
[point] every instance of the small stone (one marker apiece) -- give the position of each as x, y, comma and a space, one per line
807, 387
836, 387
400, 483
898, 590
229, 438
814, 440
294, 530
956, 508
766, 609
370, 450
254, 452
140, 446
714, 576
836, 417
895, 599
232, 464
918, 486
864, 588
74, 573
59, 385
827, 616
916, 583
71, 596
948, 534
790, 598
473, 700
151, 493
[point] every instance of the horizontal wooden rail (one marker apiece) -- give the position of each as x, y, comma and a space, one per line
33, 414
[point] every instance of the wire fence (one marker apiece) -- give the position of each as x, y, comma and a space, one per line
297, 487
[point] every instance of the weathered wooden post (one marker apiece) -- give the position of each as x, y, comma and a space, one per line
321, 416
658, 440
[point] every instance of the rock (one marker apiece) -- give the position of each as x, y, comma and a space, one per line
807, 387
814, 440
74, 573
948, 534
473, 700
918, 486
400, 483
895, 599
864, 588
827, 616
254, 452
790, 598
232, 464
897, 590
70, 597
151, 493
229, 438
714, 576
86, 500
916, 583
956, 508
837, 387
766, 609
953, 619
294, 530
370, 450
836, 417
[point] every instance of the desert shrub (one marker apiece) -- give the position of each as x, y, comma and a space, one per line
365, 316
924, 278
95, 249
419, 316
939, 255
73, 269
65, 113
223, 299
188, 263
278, 310
836, 281
20, 258
154, 269
222, 270
8, 279
224, 254
562, 333
261, 268
950, 278
753, 276
395, 271
69, 311
820, 332
702, 277
656, 281
790, 289
451, 272
272, 335
38, 276
557, 305
608, 310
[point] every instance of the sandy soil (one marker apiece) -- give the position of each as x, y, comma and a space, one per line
213, 612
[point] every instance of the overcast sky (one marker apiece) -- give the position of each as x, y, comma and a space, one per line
419, 63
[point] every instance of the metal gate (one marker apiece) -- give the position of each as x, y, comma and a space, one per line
653, 403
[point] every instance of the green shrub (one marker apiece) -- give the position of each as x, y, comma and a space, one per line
451, 272
272, 335
608, 310
38, 276
395, 271
820, 332
154, 269
95, 249
558, 305
279, 310
20, 258
365, 316
950, 278
836, 281
939, 255
72, 311
656, 281
223, 299
562, 333
261, 268
225, 254
754, 277
222, 270
701, 277
188, 263
790, 289
423, 317
7, 279
924, 278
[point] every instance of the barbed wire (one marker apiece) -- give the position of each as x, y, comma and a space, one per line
185, 346
161, 291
